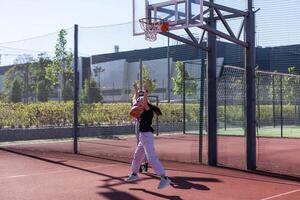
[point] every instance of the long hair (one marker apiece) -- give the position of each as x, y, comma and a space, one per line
155, 109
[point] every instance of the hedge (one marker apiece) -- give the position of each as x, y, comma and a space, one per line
60, 114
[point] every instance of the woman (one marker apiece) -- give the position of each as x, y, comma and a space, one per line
146, 141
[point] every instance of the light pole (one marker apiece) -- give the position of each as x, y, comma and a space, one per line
97, 71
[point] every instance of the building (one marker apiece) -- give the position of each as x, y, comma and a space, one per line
117, 71
121, 69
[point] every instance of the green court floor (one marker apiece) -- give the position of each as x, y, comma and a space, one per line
266, 131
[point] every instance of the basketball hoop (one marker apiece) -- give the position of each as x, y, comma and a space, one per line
152, 26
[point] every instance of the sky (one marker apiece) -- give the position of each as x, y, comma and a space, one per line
277, 23
29, 18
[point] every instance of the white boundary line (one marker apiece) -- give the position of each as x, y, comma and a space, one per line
282, 194
55, 172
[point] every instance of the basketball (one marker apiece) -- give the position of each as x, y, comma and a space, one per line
164, 27
135, 112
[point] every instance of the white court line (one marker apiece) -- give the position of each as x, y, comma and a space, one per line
282, 194
54, 172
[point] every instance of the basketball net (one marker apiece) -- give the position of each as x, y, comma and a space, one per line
151, 27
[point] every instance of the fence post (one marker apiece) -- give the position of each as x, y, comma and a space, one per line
212, 90
183, 98
201, 109
250, 88
258, 99
141, 74
298, 98
281, 108
225, 103
76, 88
273, 101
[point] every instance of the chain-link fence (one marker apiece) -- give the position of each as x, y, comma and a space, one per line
36, 81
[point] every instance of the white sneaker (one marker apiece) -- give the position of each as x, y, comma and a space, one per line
131, 178
164, 182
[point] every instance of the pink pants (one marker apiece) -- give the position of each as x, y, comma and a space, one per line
146, 147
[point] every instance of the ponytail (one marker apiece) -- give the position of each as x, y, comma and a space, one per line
155, 109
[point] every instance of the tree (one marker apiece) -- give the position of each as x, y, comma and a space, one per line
39, 83
147, 79
16, 92
290, 83
91, 93
60, 71
95, 92
2, 97
67, 91
42, 92
21, 71
191, 86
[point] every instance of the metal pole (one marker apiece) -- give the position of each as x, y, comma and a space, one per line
157, 125
298, 99
141, 74
258, 100
89, 80
169, 71
212, 91
273, 103
99, 79
76, 88
225, 103
250, 88
183, 98
281, 107
201, 109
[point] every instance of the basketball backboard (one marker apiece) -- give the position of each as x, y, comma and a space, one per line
178, 13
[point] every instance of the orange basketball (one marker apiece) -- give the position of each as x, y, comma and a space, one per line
164, 27
135, 112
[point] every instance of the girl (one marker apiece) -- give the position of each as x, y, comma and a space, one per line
138, 93
146, 141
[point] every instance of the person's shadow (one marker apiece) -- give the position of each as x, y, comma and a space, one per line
157, 194
181, 182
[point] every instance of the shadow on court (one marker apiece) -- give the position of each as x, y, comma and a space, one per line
68, 176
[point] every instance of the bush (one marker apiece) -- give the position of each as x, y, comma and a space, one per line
61, 113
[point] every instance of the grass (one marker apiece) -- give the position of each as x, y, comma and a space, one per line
267, 131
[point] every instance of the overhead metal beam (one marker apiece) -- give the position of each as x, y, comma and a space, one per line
191, 35
225, 23
223, 35
171, 12
230, 16
221, 7
241, 29
202, 36
183, 40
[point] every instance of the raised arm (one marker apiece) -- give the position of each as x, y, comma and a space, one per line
135, 92
145, 102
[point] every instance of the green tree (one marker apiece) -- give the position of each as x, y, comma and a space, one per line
95, 92
290, 83
276, 80
86, 91
91, 93
60, 71
38, 77
151, 83
16, 92
3, 97
191, 85
42, 92
21, 71
67, 91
